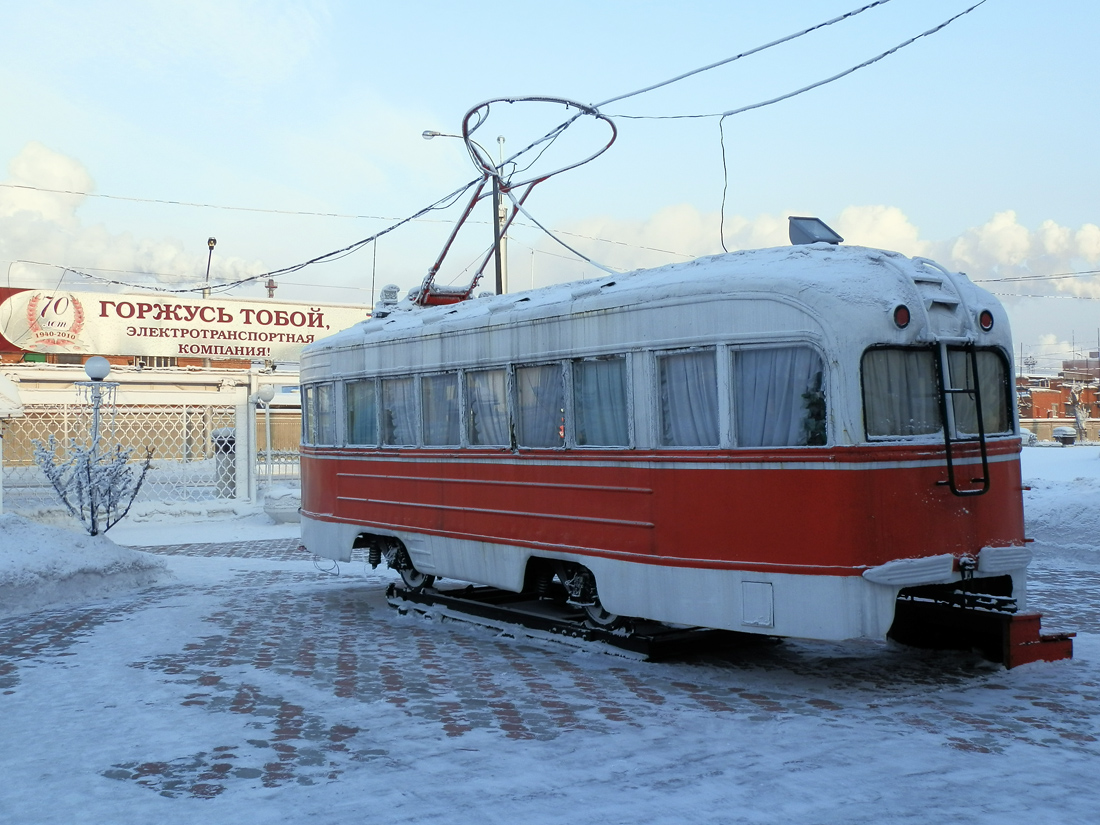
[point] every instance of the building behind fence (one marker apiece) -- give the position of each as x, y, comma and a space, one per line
207, 432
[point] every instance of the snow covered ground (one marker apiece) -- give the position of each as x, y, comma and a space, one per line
248, 686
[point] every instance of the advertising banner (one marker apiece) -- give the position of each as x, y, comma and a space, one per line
53, 321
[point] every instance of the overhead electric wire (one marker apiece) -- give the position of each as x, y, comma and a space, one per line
1055, 277
519, 208
1061, 295
750, 52
31, 188
817, 84
328, 257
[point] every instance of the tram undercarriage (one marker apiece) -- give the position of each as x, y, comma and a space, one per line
560, 599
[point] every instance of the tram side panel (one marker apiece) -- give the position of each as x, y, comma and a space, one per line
777, 550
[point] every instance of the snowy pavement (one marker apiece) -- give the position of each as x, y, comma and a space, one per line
271, 690
256, 688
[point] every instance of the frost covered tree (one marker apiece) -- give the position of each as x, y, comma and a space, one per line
97, 488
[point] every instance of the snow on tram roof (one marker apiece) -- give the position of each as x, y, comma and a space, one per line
868, 277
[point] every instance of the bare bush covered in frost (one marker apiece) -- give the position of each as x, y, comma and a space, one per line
97, 489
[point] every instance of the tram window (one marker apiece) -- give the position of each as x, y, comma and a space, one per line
362, 412
900, 392
599, 402
487, 408
689, 399
309, 425
439, 408
541, 406
325, 415
778, 397
398, 411
993, 383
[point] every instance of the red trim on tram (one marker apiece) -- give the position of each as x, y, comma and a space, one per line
828, 520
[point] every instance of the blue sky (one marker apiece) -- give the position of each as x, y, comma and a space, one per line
974, 146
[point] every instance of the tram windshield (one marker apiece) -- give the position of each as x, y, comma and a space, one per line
901, 395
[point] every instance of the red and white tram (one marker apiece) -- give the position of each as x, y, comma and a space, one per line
817, 441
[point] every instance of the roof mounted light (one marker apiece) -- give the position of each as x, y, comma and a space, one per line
811, 230
985, 320
901, 316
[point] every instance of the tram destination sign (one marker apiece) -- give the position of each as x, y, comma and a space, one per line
53, 321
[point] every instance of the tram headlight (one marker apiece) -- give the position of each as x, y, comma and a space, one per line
901, 316
985, 320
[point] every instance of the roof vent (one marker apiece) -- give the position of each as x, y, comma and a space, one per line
811, 230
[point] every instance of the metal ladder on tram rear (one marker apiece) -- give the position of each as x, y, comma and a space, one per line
951, 438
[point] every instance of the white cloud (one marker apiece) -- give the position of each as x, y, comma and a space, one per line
881, 227
1088, 242
45, 227
1001, 242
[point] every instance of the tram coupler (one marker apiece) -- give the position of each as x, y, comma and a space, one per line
1012, 639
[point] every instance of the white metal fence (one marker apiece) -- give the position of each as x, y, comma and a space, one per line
199, 452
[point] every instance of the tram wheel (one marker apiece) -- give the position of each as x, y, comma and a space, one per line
601, 618
414, 579
580, 585
397, 558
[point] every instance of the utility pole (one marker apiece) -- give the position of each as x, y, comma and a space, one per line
502, 221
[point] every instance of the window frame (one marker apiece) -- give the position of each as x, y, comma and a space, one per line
516, 418
374, 382
721, 437
734, 352
1007, 385
467, 411
414, 427
572, 416
422, 399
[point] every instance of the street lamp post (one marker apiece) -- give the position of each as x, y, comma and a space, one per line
97, 368
264, 396
210, 243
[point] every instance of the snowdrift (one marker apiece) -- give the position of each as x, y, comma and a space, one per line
41, 566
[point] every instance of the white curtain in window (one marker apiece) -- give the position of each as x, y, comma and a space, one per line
309, 416
775, 393
398, 411
991, 379
439, 395
599, 402
362, 412
541, 400
689, 399
326, 415
899, 392
487, 408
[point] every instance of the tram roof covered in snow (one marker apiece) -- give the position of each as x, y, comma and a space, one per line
846, 288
